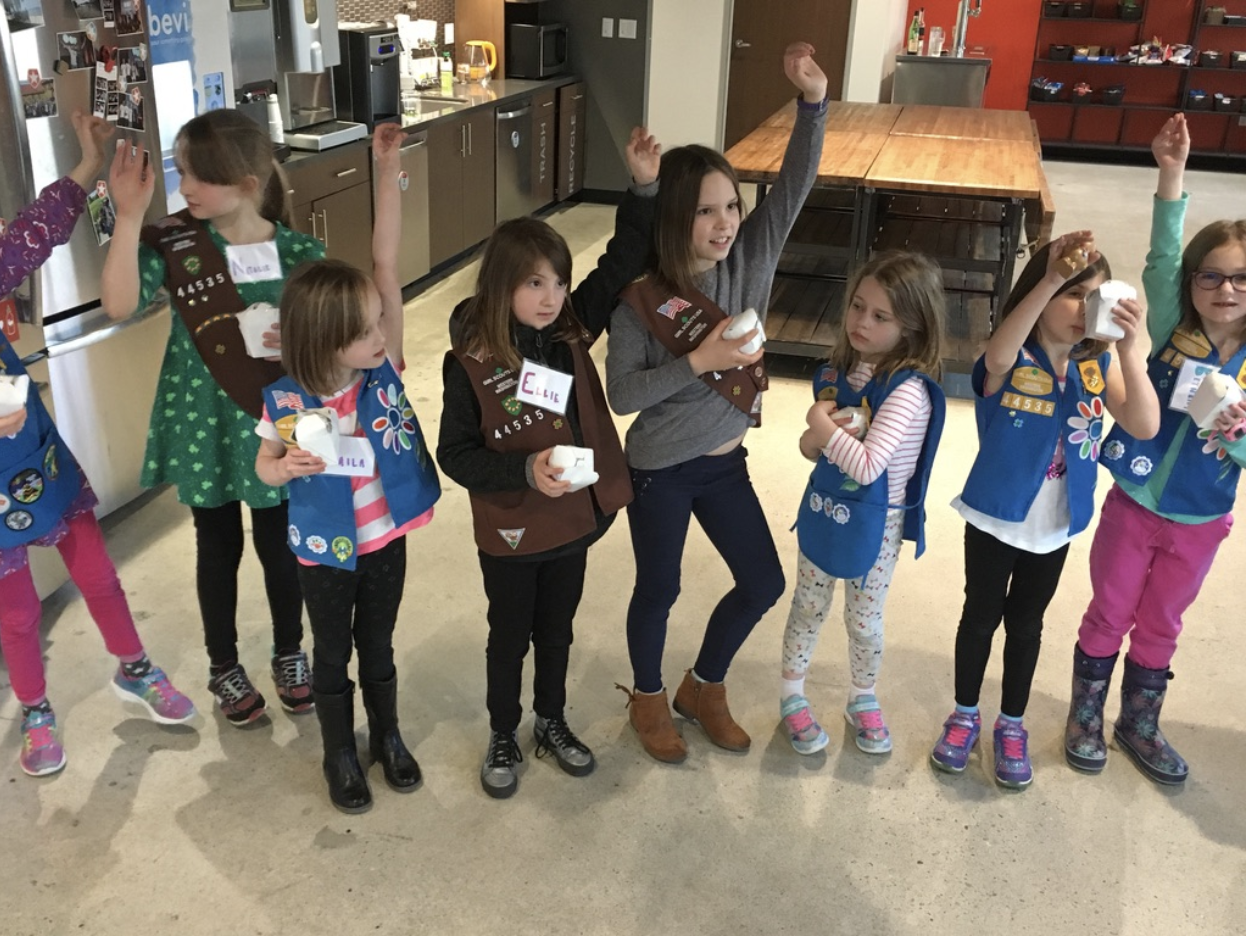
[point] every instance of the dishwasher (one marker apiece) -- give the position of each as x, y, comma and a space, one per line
516, 189
413, 251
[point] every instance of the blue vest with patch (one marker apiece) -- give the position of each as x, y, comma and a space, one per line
1204, 480
39, 478
322, 508
841, 523
1017, 432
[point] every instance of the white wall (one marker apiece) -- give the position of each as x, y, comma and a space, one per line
877, 32
687, 70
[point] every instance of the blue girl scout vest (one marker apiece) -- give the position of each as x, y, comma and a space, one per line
322, 509
39, 478
1203, 480
1018, 429
840, 525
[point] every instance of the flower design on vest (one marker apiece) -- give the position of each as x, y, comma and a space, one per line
1215, 444
1087, 428
397, 425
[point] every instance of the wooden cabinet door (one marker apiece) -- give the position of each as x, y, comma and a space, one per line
572, 110
344, 220
303, 220
544, 146
447, 146
479, 207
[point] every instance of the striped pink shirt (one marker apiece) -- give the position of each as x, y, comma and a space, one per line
374, 524
893, 441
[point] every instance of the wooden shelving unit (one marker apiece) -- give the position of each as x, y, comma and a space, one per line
1152, 92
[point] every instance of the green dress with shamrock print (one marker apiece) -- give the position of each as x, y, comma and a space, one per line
199, 440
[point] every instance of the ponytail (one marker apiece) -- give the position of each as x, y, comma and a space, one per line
275, 204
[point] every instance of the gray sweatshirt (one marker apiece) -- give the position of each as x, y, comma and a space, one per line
680, 417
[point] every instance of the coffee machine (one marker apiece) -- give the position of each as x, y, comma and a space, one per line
366, 83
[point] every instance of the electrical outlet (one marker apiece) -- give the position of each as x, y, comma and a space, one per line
627, 29
607, 27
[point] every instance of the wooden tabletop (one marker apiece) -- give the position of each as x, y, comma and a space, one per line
846, 116
998, 168
846, 156
962, 123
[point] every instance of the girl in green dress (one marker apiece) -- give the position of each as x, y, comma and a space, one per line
230, 249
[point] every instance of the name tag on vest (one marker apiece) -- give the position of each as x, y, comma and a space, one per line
253, 263
1192, 374
355, 458
544, 387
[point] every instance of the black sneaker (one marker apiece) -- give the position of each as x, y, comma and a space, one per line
238, 700
497, 774
554, 737
292, 677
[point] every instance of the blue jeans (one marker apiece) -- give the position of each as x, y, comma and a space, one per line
716, 490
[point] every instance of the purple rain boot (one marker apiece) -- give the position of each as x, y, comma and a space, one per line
1084, 745
1137, 728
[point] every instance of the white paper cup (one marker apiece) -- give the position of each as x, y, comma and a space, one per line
741, 325
253, 321
849, 417
13, 392
1214, 395
316, 431
1099, 306
576, 464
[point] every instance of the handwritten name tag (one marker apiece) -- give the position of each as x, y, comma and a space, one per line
1192, 374
253, 263
544, 387
355, 458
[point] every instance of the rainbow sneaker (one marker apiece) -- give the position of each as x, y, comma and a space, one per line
42, 753
156, 694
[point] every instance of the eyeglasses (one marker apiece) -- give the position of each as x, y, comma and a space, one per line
1211, 280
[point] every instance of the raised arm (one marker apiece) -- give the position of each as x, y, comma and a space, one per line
1161, 278
387, 234
1130, 395
131, 182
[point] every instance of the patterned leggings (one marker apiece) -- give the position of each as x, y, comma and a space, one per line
863, 610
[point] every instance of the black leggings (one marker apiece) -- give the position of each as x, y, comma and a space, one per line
1002, 581
218, 544
356, 606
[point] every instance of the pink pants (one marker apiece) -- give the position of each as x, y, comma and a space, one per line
83, 550
1145, 572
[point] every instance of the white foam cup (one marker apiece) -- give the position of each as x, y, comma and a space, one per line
741, 325
253, 321
1099, 305
576, 464
1214, 395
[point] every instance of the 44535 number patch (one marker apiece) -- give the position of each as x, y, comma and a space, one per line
517, 425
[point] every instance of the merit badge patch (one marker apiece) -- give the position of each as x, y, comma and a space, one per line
50, 466
317, 544
18, 520
287, 400
512, 537
192, 265
1092, 377
342, 548
673, 306
26, 486
512, 406
5, 504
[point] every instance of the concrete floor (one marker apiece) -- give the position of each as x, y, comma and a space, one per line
208, 829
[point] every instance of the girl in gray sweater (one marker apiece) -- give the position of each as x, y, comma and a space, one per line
696, 395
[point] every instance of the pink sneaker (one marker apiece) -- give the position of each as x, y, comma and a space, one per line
155, 693
806, 734
866, 718
42, 753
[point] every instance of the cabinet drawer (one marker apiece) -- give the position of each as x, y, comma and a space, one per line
325, 173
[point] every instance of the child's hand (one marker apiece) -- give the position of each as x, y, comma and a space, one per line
717, 353
92, 132
1171, 146
819, 421
644, 155
12, 424
1232, 422
131, 181
810, 445
803, 71
546, 476
386, 144
272, 341
299, 463
1129, 315
1069, 255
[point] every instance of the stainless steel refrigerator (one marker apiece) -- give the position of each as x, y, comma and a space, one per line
97, 377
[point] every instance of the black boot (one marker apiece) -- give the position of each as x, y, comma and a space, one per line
1137, 727
1084, 746
348, 787
380, 700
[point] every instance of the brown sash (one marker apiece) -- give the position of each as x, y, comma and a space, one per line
681, 325
516, 523
201, 290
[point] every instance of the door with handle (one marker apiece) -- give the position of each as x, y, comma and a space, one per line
514, 163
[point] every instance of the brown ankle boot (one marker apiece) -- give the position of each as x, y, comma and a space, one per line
706, 704
650, 715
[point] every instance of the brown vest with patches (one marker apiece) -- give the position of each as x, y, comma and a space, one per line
681, 324
204, 295
517, 523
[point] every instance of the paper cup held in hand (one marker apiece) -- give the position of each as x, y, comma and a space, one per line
576, 464
741, 325
13, 391
849, 417
1214, 395
253, 321
316, 431
1099, 305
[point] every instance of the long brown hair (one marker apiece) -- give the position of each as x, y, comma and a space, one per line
914, 287
1030, 277
223, 147
1216, 235
324, 308
682, 171
512, 254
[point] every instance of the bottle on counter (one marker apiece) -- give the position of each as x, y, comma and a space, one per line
914, 41
276, 132
447, 74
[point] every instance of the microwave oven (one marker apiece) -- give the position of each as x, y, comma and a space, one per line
536, 51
